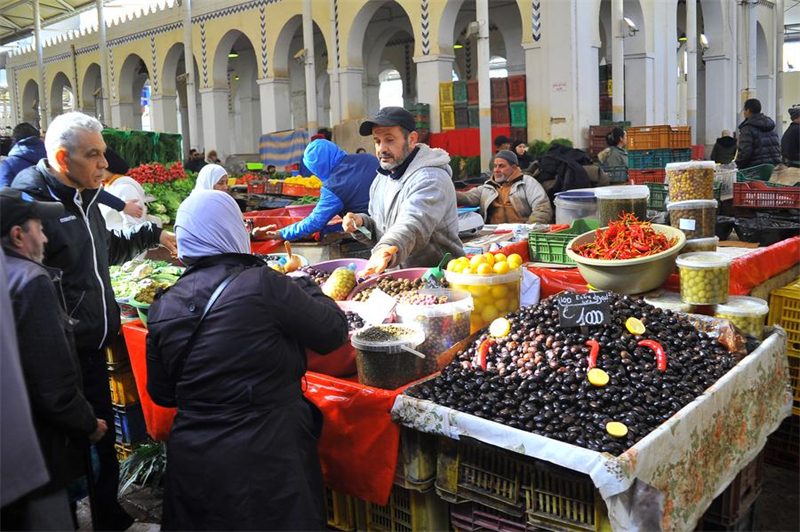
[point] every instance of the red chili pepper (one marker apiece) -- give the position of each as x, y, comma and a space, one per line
625, 238
483, 350
593, 353
661, 356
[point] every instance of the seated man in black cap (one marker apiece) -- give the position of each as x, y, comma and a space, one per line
412, 220
509, 196
64, 420
122, 189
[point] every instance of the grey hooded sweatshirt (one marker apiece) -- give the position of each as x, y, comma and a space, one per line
416, 212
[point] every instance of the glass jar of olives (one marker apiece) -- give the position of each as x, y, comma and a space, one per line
747, 313
690, 180
696, 218
704, 277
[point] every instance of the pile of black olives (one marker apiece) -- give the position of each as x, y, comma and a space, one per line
536, 376
318, 276
354, 321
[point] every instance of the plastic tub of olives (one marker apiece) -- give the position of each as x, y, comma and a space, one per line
628, 276
747, 313
445, 322
704, 278
382, 358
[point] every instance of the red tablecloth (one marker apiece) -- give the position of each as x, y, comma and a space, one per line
464, 142
747, 271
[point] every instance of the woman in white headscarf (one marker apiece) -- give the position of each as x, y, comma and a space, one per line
243, 447
212, 177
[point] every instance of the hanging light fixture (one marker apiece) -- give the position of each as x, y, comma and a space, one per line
458, 46
233, 54
682, 38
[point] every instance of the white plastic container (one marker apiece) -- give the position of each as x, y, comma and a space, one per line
696, 218
692, 180
701, 244
669, 301
575, 205
493, 295
385, 364
747, 313
704, 278
613, 201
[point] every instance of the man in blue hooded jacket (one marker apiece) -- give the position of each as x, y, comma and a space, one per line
28, 149
346, 180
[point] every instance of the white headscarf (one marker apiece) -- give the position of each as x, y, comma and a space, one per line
209, 176
208, 223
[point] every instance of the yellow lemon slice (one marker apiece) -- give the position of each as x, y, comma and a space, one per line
634, 326
598, 377
499, 327
616, 429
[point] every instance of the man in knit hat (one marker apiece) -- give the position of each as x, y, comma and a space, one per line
509, 196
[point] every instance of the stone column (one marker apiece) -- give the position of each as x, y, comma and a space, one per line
351, 91
163, 113
691, 70
432, 70
536, 82
216, 123
639, 96
276, 110
312, 122
250, 119
124, 115
617, 61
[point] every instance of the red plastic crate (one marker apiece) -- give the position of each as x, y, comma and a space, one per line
299, 190
519, 133
758, 195
256, 187
698, 152
739, 496
472, 92
500, 90
516, 88
501, 114
640, 177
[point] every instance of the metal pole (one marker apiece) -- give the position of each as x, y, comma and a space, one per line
188, 59
778, 14
311, 74
37, 31
617, 61
691, 70
484, 84
752, 48
104, 89
336, 97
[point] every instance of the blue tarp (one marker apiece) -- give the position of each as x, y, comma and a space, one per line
283, 148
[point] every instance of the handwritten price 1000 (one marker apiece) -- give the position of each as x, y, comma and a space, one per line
592, 317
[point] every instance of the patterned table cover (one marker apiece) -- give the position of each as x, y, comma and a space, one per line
669, 478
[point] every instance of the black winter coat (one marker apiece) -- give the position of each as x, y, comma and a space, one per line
82, 248
790, 145
758, 142
242, 451
724, 150
61, 415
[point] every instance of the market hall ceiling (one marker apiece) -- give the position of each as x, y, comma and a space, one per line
16, 16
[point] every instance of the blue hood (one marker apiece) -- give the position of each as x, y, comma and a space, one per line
321, 157
30, 149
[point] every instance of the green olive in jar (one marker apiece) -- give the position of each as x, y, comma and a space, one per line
704, 278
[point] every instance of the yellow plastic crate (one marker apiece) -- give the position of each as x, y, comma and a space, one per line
117, 353
467, 471
560, 499
784, 310
123, 388
408, 511
446, 95
344, 512
124, 450
416, 461
448, 115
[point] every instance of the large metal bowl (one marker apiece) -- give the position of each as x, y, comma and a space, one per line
629, 276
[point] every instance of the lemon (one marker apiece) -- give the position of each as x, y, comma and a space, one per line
514, 257
478, 290
477, 260
489, 259
500, 257
502, 304
616, 429
484, 268
451, 266
499, 327
489, 313
598, 377
634, 326
499, 290
456, 268
514, 266
501, 267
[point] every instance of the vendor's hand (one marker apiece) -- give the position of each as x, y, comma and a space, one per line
167, 239
265, 233
379, 261
351, 222
132, 208
99, 432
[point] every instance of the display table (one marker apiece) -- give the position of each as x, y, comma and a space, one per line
669, 478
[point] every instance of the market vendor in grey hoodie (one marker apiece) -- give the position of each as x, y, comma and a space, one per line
413, 218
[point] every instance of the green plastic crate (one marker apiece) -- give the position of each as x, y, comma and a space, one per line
519, 114
761, 172
255, 166
617, 174
551, 247
460, 92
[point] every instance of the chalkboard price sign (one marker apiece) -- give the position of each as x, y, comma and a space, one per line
581, 310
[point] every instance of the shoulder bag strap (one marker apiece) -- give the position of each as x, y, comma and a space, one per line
190, 344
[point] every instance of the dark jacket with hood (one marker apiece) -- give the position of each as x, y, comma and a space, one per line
24, 154
724, 150
790, 145
242, 452
758, 142
82, 248
61, 415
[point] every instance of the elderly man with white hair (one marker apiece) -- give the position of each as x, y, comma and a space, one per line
80, 245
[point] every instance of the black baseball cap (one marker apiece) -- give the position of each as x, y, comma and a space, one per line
387, 117
17, 207
116, 164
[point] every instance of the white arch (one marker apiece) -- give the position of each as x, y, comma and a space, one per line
355, 41
57, 86
129, 76
91, 82
30, 103
220, 61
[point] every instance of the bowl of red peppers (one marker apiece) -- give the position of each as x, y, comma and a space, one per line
629, 256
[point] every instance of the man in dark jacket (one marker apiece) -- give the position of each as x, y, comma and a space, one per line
27, 150
790, 143
758, 140
724, 148
82, 248
62, 417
